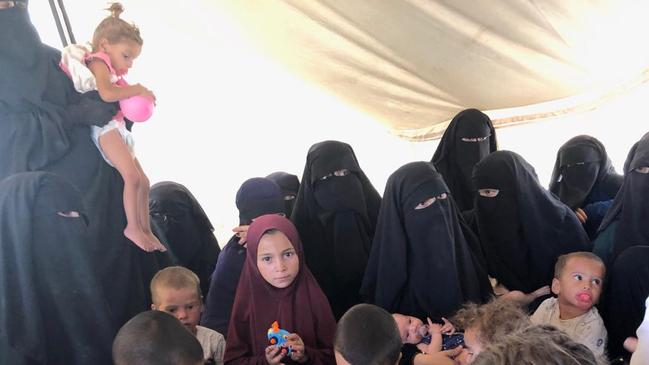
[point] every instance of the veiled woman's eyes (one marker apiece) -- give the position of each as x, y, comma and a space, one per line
339, 173
488, 193
428, 202
474, 139
70, 214
643, 170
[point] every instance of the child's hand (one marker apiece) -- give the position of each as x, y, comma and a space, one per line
447, 328
297, 346
145, 92
274, 355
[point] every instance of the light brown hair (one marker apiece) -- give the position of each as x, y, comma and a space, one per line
114, 29
175, 277
541, 344
492, 320
563, 260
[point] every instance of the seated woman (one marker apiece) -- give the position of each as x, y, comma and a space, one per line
179, 220
468, 139
335, 212
425, 262
523, 227
625, 223
53, 309
584, 179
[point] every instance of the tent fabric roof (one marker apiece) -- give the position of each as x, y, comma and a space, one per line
413, 64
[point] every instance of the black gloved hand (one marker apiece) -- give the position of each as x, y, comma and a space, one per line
91, 110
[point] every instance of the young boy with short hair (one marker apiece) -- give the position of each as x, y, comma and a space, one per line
578, 281
155, 338
176, 290
367, 334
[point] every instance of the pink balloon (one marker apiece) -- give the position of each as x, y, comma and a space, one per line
137, 108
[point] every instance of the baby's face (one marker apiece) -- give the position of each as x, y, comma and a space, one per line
580, 284
408, 328
184, 304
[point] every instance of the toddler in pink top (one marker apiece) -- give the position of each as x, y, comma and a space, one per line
115, 45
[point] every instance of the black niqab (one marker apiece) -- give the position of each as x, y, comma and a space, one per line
185, 228
631, 204
468, 139
256, 197
624, 298
525, 228
53, 310
335, 214
583, 173
45, 128
290, 185
422, 263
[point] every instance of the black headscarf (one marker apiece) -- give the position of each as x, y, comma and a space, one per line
289, 185
631, 204
525, 228
183, 225
422, 263
37, 100
336, 218
583, 173
52, 308
468, 139
256, 197
46, 128
624, 299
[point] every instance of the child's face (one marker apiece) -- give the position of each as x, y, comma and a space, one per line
184, 304
408, 328
277, 260
121, 54
580, 284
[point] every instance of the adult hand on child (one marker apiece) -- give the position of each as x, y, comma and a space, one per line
297, 346
274, 355
242, 233
91, 110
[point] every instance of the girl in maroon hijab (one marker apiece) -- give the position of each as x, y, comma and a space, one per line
276, 285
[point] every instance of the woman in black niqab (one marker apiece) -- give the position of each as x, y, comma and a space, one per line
625, 223
256, 197
290, 185
335, 213
44, 127
179, 220
584, 178
52, 308
523, 228
626, 290
422, 261
468, 139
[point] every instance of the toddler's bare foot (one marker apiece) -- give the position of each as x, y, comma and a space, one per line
139, 238
157, 245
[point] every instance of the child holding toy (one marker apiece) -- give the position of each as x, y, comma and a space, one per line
276, 285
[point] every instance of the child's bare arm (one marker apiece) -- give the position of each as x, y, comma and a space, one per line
110, 92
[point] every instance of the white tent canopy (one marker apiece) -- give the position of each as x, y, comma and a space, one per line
363, 71
413, 64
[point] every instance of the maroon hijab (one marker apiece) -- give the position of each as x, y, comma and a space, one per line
300, 308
